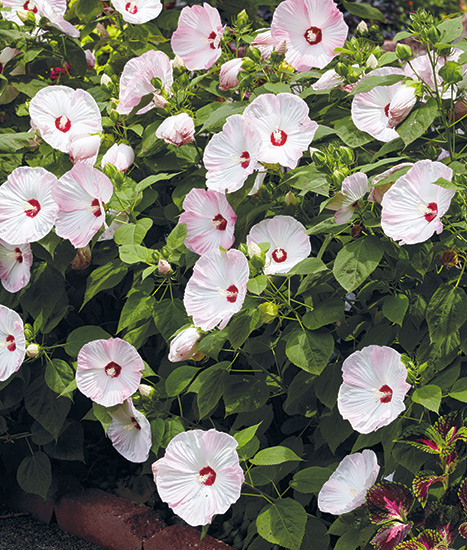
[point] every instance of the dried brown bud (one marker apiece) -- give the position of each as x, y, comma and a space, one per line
82, 260
356, 231
449, 259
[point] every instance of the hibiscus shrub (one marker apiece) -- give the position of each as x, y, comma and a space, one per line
236, 254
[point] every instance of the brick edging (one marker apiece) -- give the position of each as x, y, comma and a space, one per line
112, 522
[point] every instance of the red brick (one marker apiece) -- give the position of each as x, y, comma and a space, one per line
107, 520
182, 537
32, 504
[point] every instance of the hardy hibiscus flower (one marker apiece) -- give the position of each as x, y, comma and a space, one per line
15, 265
138, 11
12, 342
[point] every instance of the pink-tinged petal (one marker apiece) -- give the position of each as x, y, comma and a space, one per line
130, 433
232, 154
344, 214
136, 80
58, 21
184, 346
228, 76
198, 36
285, 128
312, 30
12, 342
27, 209
108, 371
289, 244
177, 130
84, 148
210, 221
346, 489
15, 265
217, 288
138, 11
413, 206
265, 43
374, 387
200, 475
81, 195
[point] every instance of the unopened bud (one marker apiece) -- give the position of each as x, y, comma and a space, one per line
281, 48
290, 198
33, 350
319, 158
254, 250
28, 332
433, 35
248, 64
106, 80
163, 267
268, 312
362, 27
145, 390
403, 52
82, 260
177, 62
372, 62
159, 101
242, 19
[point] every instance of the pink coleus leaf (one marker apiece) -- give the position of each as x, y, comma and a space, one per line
422, 482
463, 530
463, 494
389, 501
428, 540
390, 536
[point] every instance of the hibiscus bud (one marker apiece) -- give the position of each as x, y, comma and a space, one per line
163, 267
372, 62
342, 69
281, 48
254, 250
449, 259
403, 52
28, 332
242, 19
356, 231
254, 53
401, 105
33, 350
185, 345
177, 130
121, 156
82, 260
145, 390
159, 100
362, 27
248, 64
290, 198
433, 35
106, 80
228, 76
319, 158
268, 312
90, 59
177, 63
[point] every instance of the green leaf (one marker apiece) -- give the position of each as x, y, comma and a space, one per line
70, 443
244, 436
428, 396
283, 523
105, 277
45, 407
308, 266
242, 325
371, 82
350, 134
212, 343
459, 390
169, 316
133, 233
324, 313
274, 455
365, 11
310, 480
139, 306
310, 350
86, 10
356, 261
258, 284
179, 379
34, 474
244, 393
135, 253
82, 335
211, 387
418, 121
451, 29
173, 427
316, 536
13, 143
157, 434
217, 118
446, 312
154, 178
58, 375
177, 237
395, 308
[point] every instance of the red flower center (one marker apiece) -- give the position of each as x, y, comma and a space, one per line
131, 8
245, 155
211, 38
113, 369
278, 137
207, 476
96, 208
10, 339
431, 212
29, 6
219, 222
387, 394
313, 35
18, 255
32, 208
63, 123
232, 294
279, 255
135, 423
386, 110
